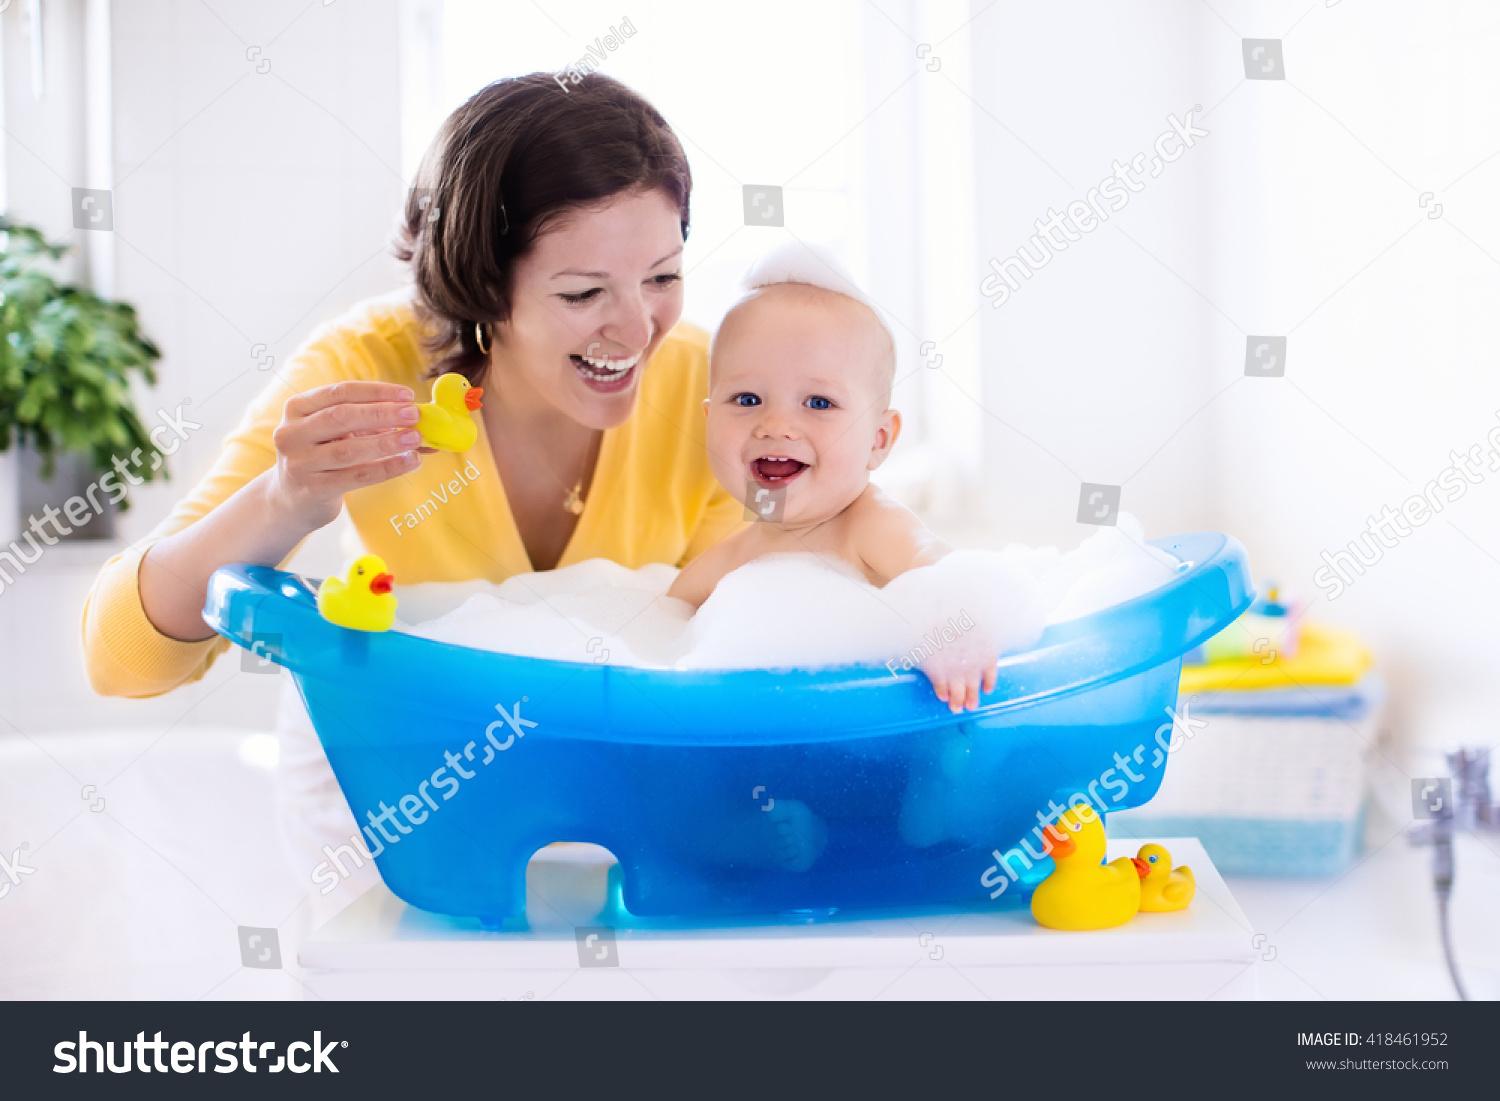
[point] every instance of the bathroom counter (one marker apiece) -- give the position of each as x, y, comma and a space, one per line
379, 947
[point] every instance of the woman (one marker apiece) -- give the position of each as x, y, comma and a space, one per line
545, 238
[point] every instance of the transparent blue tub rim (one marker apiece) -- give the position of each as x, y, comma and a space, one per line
834, 703
1072, 657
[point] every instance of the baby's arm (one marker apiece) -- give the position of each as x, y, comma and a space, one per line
697, 580
891, 541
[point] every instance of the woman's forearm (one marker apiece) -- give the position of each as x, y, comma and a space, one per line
332, 439
252, 525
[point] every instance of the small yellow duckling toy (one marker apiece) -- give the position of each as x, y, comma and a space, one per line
445, 422
1084, 892
1163, 887
363, 600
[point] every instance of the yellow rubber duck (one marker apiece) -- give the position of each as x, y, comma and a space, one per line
445, 422
1163, 887
1084, 892
362, 600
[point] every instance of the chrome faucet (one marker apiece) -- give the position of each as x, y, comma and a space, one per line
1472, 808
1441, 804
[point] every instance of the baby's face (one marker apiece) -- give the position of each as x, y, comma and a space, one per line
798, 403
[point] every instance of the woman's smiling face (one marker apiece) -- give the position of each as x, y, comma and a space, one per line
592, 301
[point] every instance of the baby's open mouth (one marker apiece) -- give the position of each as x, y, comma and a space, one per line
776, 470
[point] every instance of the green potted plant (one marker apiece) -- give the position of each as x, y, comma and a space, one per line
66, 359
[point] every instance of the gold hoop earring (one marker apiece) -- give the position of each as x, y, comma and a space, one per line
484, 348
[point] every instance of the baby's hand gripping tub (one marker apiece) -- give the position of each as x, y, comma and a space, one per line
733, 792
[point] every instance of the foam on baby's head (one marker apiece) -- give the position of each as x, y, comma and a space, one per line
812, 273
808, 265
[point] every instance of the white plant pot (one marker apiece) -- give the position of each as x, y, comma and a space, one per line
71, 477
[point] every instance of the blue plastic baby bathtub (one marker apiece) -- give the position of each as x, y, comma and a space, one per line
732, 792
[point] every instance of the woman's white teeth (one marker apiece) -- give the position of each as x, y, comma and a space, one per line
605, 369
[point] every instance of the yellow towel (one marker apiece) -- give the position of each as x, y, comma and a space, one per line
1326, 655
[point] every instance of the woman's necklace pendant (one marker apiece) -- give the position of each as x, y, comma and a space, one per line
573, 502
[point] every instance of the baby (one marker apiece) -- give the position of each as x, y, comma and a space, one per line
799, 416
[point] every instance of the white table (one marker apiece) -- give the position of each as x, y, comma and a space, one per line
381, 948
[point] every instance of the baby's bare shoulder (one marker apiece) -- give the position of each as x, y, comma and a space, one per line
889, 537
876, 513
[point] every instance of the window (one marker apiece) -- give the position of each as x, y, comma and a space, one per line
824, 100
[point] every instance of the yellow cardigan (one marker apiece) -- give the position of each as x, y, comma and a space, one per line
653, 497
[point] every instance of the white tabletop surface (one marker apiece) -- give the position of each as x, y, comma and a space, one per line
567, 887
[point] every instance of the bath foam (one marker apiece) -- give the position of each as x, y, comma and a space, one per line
789, 610
1111, 566
803, 611
794, 611
594, 611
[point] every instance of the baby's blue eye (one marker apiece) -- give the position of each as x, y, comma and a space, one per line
746, 400
819, 403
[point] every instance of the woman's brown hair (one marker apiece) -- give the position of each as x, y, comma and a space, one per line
504, 165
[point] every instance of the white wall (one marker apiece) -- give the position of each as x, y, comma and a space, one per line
249, 207
1123, 360
1391, 358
